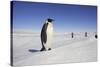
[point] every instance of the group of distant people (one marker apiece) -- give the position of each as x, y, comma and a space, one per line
86, 35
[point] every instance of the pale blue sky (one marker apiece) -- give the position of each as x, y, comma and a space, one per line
73, 18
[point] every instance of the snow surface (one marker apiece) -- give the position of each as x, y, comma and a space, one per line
65, 49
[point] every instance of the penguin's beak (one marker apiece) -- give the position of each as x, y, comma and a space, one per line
53, 20
50, 20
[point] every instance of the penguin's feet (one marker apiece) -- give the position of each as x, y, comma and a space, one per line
43, 49
49, 49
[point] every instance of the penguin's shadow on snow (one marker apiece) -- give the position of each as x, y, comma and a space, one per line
33, 50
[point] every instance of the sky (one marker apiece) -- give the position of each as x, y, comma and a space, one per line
67, 17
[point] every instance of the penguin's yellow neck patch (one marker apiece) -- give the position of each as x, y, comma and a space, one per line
48, 22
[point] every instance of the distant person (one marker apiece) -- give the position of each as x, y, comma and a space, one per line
72, 34
85, 34
96, 36
46, 35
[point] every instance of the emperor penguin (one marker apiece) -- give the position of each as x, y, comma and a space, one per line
47, 34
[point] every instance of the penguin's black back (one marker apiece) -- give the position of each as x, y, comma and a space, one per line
43, 33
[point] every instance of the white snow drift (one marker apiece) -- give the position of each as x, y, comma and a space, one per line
65, 49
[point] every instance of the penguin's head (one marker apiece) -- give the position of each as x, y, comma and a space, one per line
49, 20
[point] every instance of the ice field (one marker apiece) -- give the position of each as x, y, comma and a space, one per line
26, 46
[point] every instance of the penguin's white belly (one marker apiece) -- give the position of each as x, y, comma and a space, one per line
49, 33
